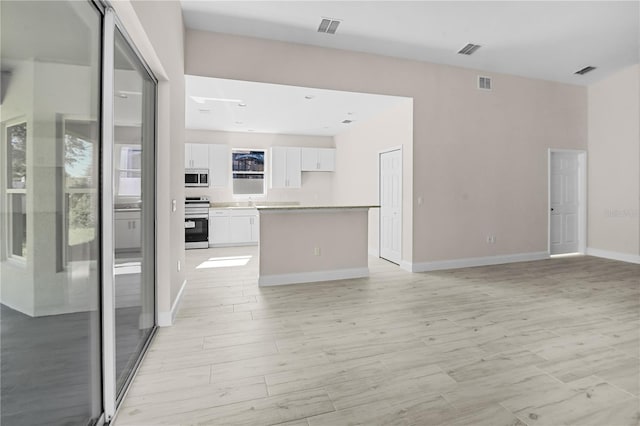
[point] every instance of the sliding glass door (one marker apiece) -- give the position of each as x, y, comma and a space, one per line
50, 315
134, 92
77, 212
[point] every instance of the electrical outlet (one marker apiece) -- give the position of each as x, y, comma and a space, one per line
174, 205
491, 239
316, 251
179, 266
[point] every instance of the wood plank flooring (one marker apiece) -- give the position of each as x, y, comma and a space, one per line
554, 342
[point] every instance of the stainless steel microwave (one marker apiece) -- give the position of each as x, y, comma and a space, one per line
196, 177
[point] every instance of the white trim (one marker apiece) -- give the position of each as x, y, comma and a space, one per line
373, 251
582, 197
473, 261
613, 255
108, 288
167, 319
406, 265
311, 277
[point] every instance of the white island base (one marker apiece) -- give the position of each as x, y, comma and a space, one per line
310, 244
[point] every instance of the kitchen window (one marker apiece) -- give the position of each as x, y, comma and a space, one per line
16, 137
248, 171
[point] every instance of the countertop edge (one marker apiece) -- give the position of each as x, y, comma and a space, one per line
271, 208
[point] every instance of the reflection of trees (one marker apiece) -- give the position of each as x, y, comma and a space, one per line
18, 136
75, 149
81, 211
81, 206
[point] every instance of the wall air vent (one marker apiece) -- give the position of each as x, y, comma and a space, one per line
585, 70
484, 82
469, 49
328, 25
347, 121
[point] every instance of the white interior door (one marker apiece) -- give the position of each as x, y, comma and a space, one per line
564, 203
391, 205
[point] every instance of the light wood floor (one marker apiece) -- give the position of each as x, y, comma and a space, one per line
552, 342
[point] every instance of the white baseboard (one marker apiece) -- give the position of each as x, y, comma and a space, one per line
311, 277
166, 319
373, 251
406, 265
613, 255
473, 261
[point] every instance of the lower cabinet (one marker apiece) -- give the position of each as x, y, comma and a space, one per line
127, 230
233, 227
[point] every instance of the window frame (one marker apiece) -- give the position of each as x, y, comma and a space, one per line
10, 191
263, 173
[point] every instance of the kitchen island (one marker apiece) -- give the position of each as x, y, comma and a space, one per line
301, 244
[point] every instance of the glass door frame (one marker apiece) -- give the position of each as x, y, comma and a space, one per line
111, 401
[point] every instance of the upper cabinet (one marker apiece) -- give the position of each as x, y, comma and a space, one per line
219, 158
318, 159
196, 156
286, 167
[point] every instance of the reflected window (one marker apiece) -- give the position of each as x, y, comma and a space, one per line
80, 165
130, 172
18, 224
17, 155
16, 137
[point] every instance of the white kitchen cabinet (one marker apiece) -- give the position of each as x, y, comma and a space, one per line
219, 159
230, 227
318, 159
127, 230
240, 229
219, 227
196, 156
286, 167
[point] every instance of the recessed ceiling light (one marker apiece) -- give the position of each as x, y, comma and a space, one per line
242, 104
585, 70
309, 97
469, 49
204, 110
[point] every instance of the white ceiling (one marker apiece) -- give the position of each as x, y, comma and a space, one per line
273, 108
548, 40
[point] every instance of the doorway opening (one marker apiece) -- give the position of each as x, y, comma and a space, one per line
567, 202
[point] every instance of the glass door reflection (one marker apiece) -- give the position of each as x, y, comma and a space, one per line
134, 214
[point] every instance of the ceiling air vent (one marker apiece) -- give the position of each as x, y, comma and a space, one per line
484, 82
469, 49
328, 25
585, 70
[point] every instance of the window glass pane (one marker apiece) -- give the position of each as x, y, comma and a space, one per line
248, 184
18, 224
248, 161
17, 155
134, 215
50, 316
248, 172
